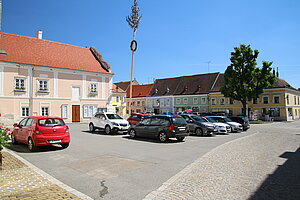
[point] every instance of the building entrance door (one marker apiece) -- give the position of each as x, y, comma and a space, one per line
75, 113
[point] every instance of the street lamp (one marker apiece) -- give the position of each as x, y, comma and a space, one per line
133, 21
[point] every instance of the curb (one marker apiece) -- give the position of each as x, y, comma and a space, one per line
50, 178
152, 195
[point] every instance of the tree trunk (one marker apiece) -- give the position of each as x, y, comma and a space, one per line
245, 108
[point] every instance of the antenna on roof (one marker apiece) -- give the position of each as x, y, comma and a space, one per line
208, 62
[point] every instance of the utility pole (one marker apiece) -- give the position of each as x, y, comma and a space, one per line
208, 62
133, 21
0, 15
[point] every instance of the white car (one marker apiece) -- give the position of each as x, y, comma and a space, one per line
222, 128
235, 127
110, 122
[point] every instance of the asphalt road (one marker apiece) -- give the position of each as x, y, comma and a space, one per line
117, 167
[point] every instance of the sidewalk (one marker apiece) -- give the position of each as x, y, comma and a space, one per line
21, 180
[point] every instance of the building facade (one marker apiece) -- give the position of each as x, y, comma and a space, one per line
281, 102
118, 101
40, 77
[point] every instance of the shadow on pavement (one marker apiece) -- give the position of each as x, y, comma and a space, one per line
23, 148
102, 133
284, 183
152, 140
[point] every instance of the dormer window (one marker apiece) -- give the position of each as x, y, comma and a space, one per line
93, 88
43, 86
156, 91
19, 84
168, 90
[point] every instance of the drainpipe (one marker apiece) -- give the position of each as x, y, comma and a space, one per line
31, 92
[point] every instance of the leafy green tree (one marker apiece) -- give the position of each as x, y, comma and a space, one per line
4, 138
243, 79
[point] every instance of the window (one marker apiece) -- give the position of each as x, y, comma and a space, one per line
168, 102
29, 122
195, 100
23, 122
45, 111
203, 99
117, 99
272, 112
25, 112
143, 103
178, 101
265, 100
254, 100
89, 110
43, 86
124, 99
133, 103
138, 103
64, 111
231, 101
19, 84
222, 101
295, 100
213, 101
51, 122
93, 88
277, 99
185, 100
287, 99
146, 121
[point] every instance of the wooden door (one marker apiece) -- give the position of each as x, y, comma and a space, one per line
75, 113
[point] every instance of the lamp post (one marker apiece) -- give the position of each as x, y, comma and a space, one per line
133, 21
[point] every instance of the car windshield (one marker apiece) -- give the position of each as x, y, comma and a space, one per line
199, 119
211, 120
113, 116
178, 120
51, 122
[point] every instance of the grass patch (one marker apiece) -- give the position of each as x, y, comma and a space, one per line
259, 122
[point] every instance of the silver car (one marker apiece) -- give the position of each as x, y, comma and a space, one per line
221, 127
199, 126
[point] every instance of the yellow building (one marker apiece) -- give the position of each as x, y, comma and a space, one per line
118, 101
281, 102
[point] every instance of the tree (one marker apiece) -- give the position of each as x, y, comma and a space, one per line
243, 79
4, 138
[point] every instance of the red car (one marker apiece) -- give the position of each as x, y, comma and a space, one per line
136, 117
40, 131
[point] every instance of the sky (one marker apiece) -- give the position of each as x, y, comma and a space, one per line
175, 38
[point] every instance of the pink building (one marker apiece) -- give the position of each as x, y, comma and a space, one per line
41, 77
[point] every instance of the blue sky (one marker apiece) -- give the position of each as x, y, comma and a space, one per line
175, 37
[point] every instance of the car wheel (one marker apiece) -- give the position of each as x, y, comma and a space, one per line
107, 129
132, 133
65, 145
180, 139
13, 139
199, 132
31, 146
91, 127
162, 137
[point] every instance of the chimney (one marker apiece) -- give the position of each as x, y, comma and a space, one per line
39, 34
277, 73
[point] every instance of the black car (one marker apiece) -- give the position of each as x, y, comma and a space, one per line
242, 120
162, 127
199, 126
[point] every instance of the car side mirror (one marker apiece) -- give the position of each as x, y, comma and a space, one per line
190, 121
16, 125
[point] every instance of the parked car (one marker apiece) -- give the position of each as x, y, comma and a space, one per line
221, 127
242, 120
235, 127
109, 122
136, 117
199, 126
162, 127
40, 131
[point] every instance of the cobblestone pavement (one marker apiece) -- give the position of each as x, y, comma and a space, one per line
18, 181
265, 165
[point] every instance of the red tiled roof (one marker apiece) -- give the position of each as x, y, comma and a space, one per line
34, 51
140, 90
116, 89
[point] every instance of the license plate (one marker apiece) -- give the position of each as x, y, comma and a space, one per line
54, 141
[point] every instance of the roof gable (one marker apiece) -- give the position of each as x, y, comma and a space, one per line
34, 51
140, 90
